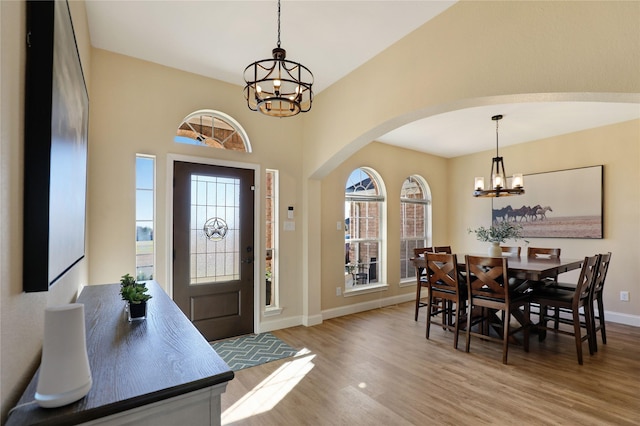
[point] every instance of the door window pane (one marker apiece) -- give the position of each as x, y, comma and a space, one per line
215, 215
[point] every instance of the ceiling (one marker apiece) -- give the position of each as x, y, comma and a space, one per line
218, 39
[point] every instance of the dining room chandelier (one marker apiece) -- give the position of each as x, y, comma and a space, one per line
499, 187
278, 87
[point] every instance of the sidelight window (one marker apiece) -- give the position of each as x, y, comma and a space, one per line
145, 217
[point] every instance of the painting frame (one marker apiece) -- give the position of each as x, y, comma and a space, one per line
55, 147
565, 203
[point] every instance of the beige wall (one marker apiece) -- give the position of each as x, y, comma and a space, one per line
136, 108
479, 53
22, 315
617, 147
393, 165
474, 53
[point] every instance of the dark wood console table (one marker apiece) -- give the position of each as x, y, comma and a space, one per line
156, 371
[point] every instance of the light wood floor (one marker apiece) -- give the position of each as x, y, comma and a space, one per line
377, 368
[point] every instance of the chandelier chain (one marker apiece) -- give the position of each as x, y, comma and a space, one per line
278, 23
497, 121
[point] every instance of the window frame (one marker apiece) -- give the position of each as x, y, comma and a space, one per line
272, 226
199, 141
354, 268
153, 214
405, 265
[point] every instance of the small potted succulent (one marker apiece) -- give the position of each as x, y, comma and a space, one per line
135, 294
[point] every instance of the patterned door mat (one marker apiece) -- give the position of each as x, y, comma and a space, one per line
251, 350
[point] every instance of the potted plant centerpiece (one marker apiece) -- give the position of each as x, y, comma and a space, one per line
498, 233
136, 296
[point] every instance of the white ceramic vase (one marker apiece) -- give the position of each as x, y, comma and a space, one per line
495, 250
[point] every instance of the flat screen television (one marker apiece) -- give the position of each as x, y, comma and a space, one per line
55, 147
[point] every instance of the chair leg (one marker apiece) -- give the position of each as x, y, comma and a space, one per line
527, 326
590, 326
456, 327
446, 306
556, 318
506, 317
590, 320
578, 337
418, 298
603, 332
542, 324
429, 315
469, 312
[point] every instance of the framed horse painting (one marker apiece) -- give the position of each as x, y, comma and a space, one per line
559, 204
55, 147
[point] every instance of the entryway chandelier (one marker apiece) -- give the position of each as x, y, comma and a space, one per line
278, 87
498, 182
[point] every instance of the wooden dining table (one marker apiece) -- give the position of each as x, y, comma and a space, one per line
522, 267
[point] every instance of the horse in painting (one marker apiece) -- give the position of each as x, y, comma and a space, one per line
502, 214
542, 212
521, 213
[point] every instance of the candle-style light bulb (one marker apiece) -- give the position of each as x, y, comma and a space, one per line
518, 180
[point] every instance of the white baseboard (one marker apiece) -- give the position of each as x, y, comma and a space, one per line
619, 318
366, 306
280, 323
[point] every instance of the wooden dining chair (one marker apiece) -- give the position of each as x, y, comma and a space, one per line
540, 252
420, 251
543, 252
598, 323
442, 249
546, 253
597, 299
572, 301
511, 251
447, 296
421, 278
487, 283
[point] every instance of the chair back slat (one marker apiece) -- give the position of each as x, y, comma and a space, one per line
603, 268
487, 277
588, 276
543, 252
442, 270
442, 249
420, 251
512, 251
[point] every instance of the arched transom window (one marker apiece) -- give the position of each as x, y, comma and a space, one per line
214, 129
